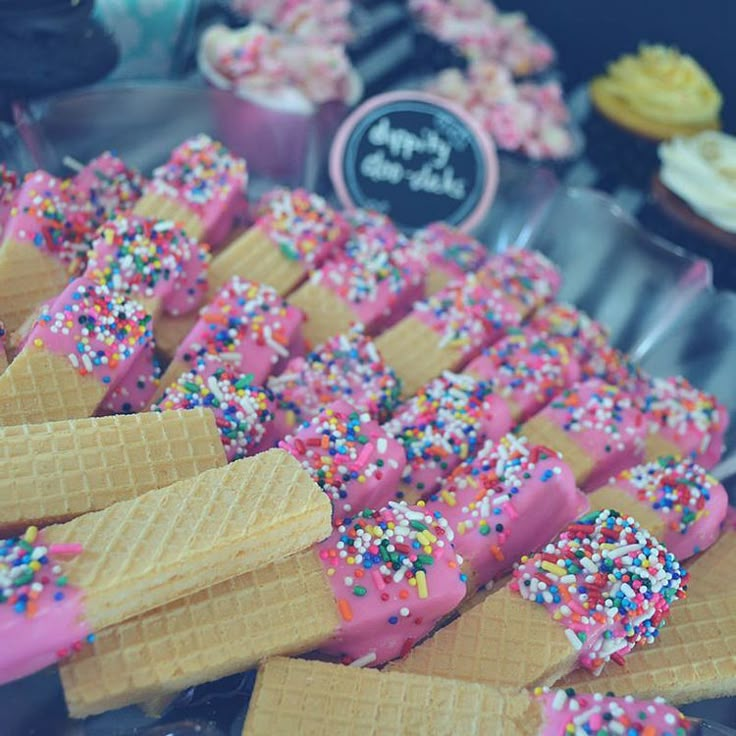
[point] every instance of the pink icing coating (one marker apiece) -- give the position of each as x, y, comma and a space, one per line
243, 412
101, 332
580, 713
205, 178
582, 335
602, 421
607, 581
354, 460
36, 632
446, 422
153, 259
693, 420
249, 326
394, 575
108, 185
346, 366
525, 275
302, 225
9, 185
526, 369
379, 289
449, 250
507, 501
45, 216
692, 503
134, 391
467, 315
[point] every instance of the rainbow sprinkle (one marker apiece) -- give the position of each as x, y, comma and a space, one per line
445, 245
607, 581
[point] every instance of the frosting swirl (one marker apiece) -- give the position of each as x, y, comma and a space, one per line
663, 85
702, 171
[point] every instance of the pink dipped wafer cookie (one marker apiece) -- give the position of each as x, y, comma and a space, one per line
76, 353
201, 188
597, 428
153, 261
295, 233
526, 370
43, 247
683, 421
394, 575
347, 366
373, 286
604, 587
243, 412
582, 335
309, 697
687, 504
136, 389
525, 276
446, 331
248, 326
108, 186
445, 423
450, 253
350, 457
509, 499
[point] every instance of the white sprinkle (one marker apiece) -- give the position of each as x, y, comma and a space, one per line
364, 660
572, 637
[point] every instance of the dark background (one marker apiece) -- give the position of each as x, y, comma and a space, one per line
589, 34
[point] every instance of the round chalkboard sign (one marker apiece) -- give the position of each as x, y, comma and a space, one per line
416, 158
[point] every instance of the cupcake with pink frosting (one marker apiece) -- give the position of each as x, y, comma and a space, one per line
284, 90
528, 118
480, 33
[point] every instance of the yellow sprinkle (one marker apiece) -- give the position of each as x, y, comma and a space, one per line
422, 584
31, 534
553, 568
35, 565
38, 342
448, 498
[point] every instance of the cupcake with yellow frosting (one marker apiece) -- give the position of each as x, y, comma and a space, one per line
658, 93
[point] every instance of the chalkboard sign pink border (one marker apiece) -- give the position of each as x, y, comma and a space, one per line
483, 142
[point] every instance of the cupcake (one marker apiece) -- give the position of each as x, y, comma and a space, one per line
529, 119
696, 185
287, 96
644, 98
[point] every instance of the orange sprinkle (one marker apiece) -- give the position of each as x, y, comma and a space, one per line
345, 611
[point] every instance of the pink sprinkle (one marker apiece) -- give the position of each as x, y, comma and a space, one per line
378, 579
365, 454
71, 549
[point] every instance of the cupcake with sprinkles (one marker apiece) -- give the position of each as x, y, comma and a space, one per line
509, 499
153, 261
607, 582
243, 412
441, 426
394, 575
683, 420
688, 505
352, 459
347, 366
41, 616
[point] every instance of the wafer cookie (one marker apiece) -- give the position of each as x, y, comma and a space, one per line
595, 426
677, 500
525, 635
297, 696
366, 608
201, 188
294, 234
143, 553
444, 332
695, 657
78, 350
53, 472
